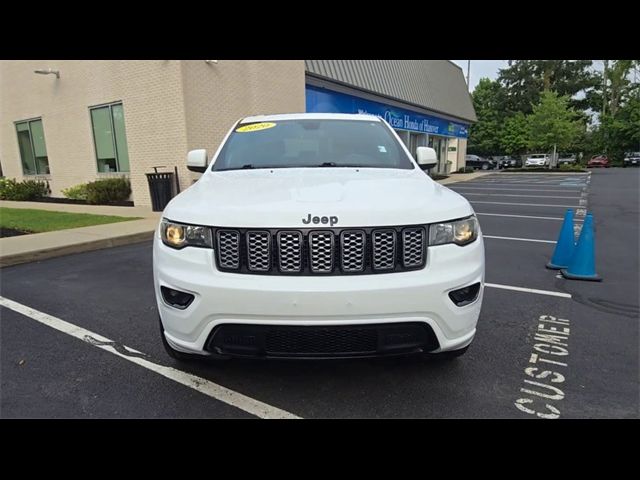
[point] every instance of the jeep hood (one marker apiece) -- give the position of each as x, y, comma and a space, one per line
281, 198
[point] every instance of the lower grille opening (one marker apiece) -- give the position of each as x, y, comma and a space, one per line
321, 341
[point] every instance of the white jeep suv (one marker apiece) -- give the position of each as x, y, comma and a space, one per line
313, 236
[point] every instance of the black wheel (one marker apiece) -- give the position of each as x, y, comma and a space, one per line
485, 166
175, 354
450, 355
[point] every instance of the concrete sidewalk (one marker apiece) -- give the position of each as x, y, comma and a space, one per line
38, 246
464, 177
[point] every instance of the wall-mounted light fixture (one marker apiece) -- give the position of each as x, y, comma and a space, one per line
48, 71
209, 62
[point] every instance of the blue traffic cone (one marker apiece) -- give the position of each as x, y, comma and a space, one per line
565, 245
583, 263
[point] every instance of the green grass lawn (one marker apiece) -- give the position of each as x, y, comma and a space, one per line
35, 221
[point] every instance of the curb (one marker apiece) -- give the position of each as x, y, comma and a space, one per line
36, 255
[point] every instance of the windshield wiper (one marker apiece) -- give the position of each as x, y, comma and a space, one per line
334, 164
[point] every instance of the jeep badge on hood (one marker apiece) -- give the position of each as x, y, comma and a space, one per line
330, 220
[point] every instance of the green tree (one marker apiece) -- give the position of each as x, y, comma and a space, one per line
525, 80
620, 134
514, 135
483, 138
618, 130
553, 123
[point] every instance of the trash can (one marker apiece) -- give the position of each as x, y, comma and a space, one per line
160, 189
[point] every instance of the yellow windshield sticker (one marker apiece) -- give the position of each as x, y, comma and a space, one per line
254, 127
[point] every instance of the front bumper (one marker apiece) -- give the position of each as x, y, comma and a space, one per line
223, 298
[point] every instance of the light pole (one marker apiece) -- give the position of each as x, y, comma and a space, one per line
469, 74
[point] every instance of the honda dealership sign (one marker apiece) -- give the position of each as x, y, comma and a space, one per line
321, 100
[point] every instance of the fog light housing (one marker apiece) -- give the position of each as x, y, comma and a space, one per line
176, 298
465, 296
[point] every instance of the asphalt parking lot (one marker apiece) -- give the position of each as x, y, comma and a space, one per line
591, 365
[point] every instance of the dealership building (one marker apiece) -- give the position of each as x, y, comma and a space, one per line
74, 121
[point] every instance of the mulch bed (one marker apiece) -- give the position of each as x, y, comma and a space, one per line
11, 232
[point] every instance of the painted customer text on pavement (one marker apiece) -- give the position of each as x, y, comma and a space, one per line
541, 393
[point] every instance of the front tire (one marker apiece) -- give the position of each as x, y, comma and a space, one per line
485, 166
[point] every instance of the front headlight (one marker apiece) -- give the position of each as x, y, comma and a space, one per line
460, 232
178, 235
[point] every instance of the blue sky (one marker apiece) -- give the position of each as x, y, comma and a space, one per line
481, 68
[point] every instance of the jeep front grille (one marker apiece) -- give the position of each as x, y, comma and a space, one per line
353, 244
384, 249
258, 251
228, 249
290, 251
413, 242
333, 251
321, 252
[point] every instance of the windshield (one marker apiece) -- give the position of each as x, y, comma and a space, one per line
537, 155
312, 143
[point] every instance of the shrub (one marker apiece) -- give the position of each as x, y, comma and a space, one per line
10, 189
6, 187
465, 170
108, 190
77, 192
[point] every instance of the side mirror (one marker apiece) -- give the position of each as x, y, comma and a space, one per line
197, 160
426, 157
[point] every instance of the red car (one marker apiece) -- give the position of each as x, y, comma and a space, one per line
599, 161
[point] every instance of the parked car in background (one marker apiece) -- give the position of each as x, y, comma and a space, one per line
537, 160
479, 163
599, 161
507, 161
631, 159
567, 159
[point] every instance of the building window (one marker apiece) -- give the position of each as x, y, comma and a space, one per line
33, 151
109, 138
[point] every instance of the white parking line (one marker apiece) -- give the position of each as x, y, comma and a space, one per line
518, 216
520, 239
526, 204
578, 186
528, 290
202, 385
453, 187
522, 216
512, 195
